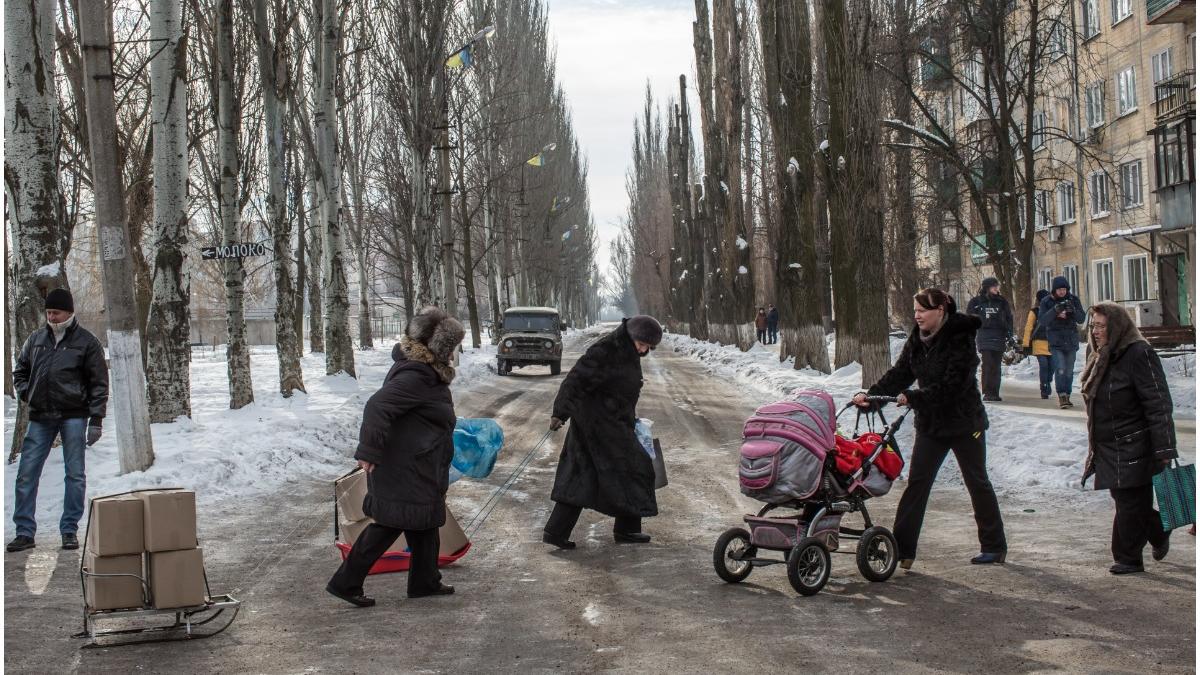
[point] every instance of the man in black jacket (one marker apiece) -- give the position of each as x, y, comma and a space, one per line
993, 310
62, 378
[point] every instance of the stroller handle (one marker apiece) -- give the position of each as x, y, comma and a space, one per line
882, 399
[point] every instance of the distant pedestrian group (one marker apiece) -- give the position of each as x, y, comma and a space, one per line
766, 325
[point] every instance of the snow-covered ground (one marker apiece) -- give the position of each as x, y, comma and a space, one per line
1029, 455
222, 453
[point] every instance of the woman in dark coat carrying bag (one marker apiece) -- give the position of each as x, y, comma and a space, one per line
940, 357
405, 445
603, 466
1131, 434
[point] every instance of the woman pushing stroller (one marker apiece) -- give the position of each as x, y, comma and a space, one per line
940, 357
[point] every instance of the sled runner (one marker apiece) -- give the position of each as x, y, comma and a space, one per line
792, 458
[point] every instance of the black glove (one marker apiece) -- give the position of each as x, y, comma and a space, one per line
555, 424
93, 431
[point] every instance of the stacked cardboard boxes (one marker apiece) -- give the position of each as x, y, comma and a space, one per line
350, 490
151, 534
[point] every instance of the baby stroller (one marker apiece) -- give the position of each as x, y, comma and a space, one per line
792, 458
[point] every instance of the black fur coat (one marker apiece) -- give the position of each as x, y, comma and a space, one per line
603, 467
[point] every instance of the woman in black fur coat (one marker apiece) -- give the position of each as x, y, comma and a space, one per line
603, 466
940, 357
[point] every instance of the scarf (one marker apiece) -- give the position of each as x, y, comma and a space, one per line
1121, 334
418, 352
59, 330
928, 337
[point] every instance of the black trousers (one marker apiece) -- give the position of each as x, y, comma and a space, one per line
762, 335
564, 516
423, 574
1135, 524
989, 378
927, 457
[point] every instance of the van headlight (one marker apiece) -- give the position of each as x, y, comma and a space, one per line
508, 344
549, 344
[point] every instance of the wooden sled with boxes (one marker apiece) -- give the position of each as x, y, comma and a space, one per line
142, 559
349, 521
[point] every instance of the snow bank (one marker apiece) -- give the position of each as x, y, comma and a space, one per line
222, 453
1030, 455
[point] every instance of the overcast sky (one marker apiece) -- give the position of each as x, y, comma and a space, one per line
607, 50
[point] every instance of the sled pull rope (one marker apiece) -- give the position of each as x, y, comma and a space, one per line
484, 511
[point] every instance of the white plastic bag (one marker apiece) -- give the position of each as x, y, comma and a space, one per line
644, 436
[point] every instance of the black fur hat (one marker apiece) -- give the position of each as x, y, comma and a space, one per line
438, 331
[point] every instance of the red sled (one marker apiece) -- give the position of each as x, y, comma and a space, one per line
348, 493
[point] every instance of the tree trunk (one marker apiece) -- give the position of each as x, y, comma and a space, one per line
168, 328
787, 56
241, 390
316, 256
271, 69
128, 383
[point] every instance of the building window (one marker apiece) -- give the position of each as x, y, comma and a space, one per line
1098, 194
1066, 203
1121, 9
1091, 18
1103, 287
1041, 211
1039, 130
1131, 185
1071, 272
1137, 282
1058, 40
1045, 278
1172, 154
1126, 91
1095, 104
1160, 65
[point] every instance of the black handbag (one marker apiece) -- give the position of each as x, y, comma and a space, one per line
660, 468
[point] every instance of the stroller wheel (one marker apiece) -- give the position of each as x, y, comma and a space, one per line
733, 546
877, 554
808, 566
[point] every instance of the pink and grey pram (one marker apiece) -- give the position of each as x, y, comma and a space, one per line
789, 460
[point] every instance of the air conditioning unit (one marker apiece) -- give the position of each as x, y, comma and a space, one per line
1055, 233
1145, 313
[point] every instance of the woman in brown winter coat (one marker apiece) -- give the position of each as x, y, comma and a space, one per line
1131, 435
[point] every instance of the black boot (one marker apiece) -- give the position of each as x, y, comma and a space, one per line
356, 600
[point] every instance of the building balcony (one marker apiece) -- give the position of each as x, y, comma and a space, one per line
1177, 206
1173, 97
950, 256
1170, 11
979, 255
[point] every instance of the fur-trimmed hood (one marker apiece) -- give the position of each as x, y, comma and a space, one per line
431, 338
409, 349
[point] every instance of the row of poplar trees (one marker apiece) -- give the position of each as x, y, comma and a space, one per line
313, 126
825, 158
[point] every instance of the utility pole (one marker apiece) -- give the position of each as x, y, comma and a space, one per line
450, 302
128, 386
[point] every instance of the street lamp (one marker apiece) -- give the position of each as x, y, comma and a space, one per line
462, 57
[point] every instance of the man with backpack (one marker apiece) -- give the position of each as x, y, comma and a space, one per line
1061, 314
991, 338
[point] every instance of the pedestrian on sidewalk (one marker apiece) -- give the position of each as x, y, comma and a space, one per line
1061, 314
772, 325
1035, 343
760, 325
62, 378
1131, 434
994, 332
940, 357
405, 445
603, 466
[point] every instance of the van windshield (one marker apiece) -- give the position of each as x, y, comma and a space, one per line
530, 322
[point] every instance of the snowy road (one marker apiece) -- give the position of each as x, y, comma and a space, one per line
522, 606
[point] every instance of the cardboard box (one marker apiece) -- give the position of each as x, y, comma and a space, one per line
116, 526
177, 578
349, 493
451, 537
170, 520
113, 592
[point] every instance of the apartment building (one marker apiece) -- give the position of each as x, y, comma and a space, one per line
1114, 138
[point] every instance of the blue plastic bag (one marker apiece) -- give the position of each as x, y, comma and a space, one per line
477, 443
642, 429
